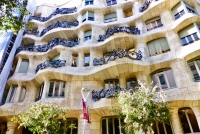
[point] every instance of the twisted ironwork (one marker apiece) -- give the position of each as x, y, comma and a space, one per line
63, 24
119, 53
50, 45
110, 93
111, 31
50, 63
31, 32
57, 11
146, 5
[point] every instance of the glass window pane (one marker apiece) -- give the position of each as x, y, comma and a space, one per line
51, 89
56, 88
116, 125
194, 71
153, 24
23, 66
159, 23
104, 127
170, 78
152, 50
87, 61
190, 39
184, 41
154, 79
148, 26
193, 120
22, 95
162, 81
164, 45
62, 92
195, 36
110, 125
184, 121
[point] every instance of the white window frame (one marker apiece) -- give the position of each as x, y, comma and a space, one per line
188, 40
11, 94
61, 83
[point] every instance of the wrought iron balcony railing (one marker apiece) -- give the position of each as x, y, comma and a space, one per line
49, 46
50, 63
63, 24
57, 11
119, 53
146, 5
111, 31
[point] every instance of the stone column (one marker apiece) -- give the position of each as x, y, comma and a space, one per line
67, 56
31, 67
18, 93
81, 36
196, 111
81, 59
142, 78
139, 24
11, 127
142, 46
120, 13
175, 122
166, 18
122, 82
136, 7
46, 88
18, 64
79, 18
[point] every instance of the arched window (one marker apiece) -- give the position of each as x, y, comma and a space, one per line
158, 46
111, 125
188, 120
164, 78
162, 128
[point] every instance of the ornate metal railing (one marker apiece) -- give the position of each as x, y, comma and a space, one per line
119, 53
33, 32
50, 45
109, 93
63, 24
50, 63
146, 5
57, 11
111, 31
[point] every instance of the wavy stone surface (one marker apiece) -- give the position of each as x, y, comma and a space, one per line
57, 11
49, 46
119, 53
111, 31
50, 63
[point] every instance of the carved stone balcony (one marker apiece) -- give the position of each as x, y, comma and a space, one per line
50, 45
111, 31
145, 5
31, 32
50, 63
119, 53
57, 11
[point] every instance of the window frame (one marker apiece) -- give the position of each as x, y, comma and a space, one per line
187, 40
90, 2
115, 82
22, 64
88, 16
151, 25
196, 67
110, 19
11, 94
60, 88
112, 2
88, 35
86, 64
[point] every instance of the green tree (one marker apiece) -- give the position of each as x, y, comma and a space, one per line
8, 19
142, 108
42, 118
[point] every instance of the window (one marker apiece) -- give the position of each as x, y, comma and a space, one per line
74, 60
131, 83
195, 68
23, 66
188, 120
40, 91
128, 12
70, 122
88, 35
179, 14
11, 94
3, 128
87, 60
22, 94
158, 46
57, 57
189, 34
89, 2
111, 83
88, 16
162, 128
56, 89
153, 23
110, 17
189, 39
164, 79
111, 2
111, 125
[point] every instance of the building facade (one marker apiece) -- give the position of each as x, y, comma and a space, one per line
108, 44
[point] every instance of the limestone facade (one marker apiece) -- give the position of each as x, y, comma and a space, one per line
170, 55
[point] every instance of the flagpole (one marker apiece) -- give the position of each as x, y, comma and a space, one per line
85, 100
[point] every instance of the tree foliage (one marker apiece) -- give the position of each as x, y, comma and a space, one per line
142, 108
8, 18
42, 118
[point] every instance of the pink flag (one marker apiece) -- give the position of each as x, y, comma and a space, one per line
86, 114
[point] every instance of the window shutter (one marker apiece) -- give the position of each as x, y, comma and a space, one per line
91, 14
23, 66
177, 8
170, 78
151, 48
153, 19
164, 44
88, 33
84, 16
22, 94
187, 31
109, 16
